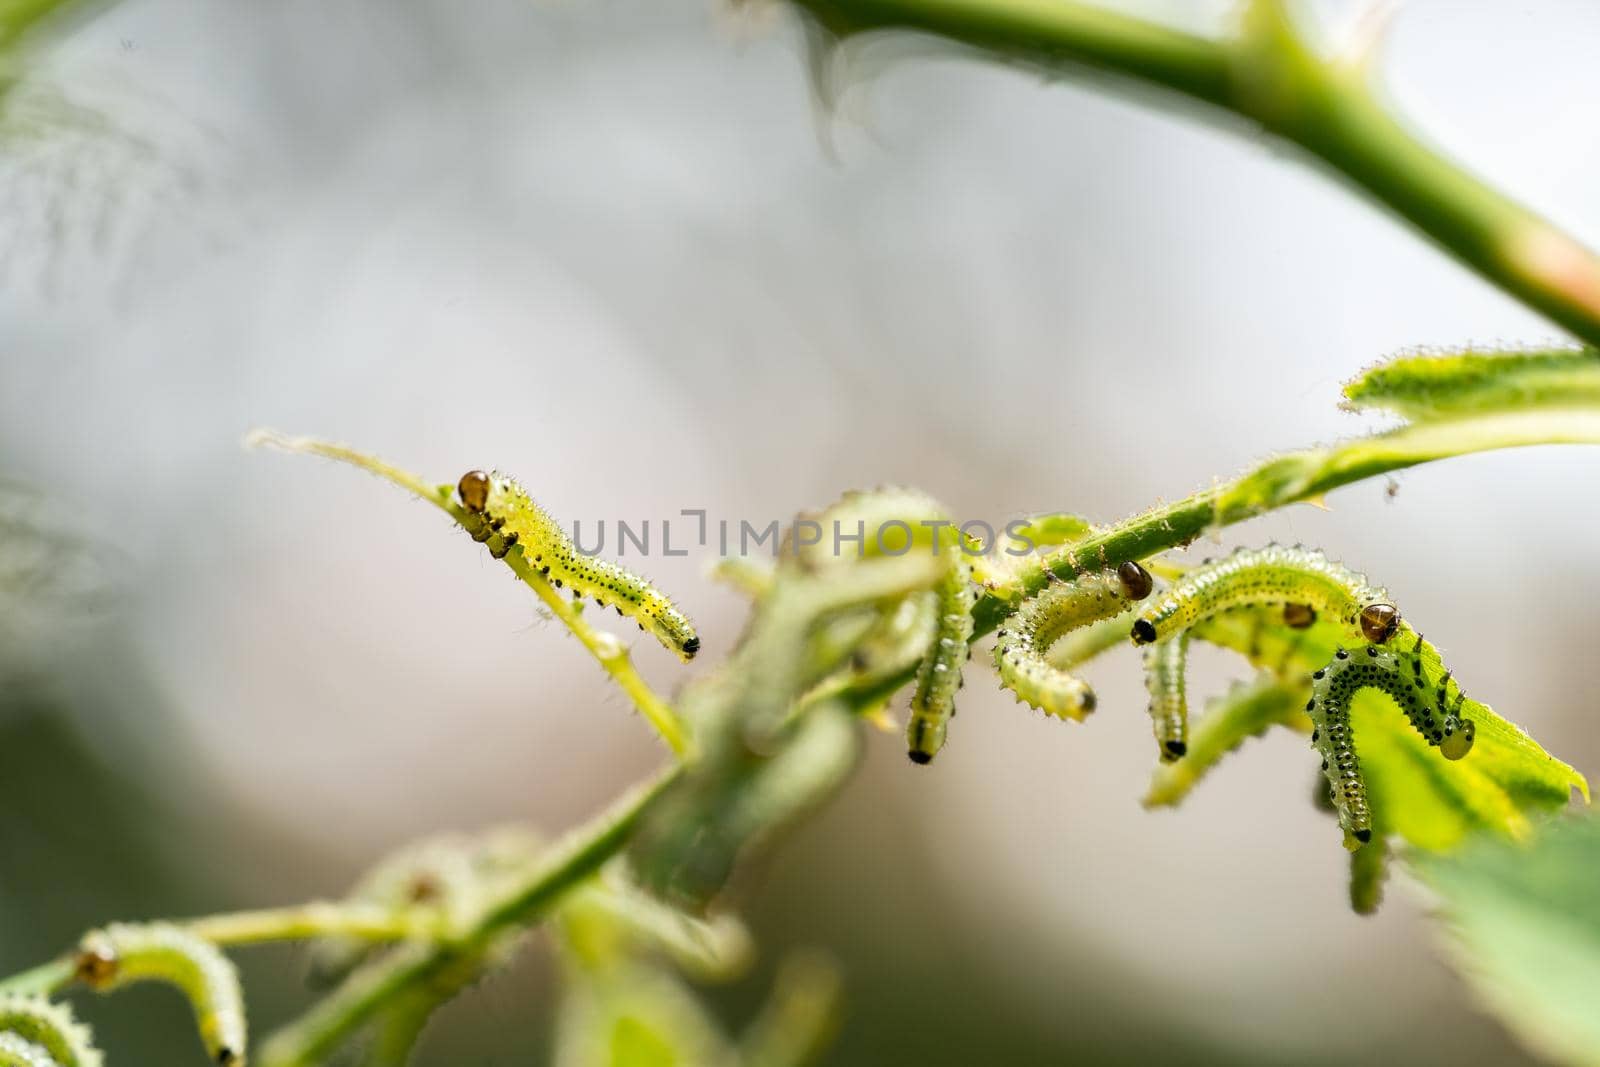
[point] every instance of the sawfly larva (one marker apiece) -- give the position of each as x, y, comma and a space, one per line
504, 517
124, 953
20, 1052
1301, 578
1169, 705
1022, 645
49, 1027
892, 522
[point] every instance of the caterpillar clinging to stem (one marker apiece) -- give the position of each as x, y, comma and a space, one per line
507, 518
122, 953
1300, 579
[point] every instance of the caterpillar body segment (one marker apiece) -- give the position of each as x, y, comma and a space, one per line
1329, 708
1276, 575
1164, 665
1023, 644
501, 515
121, 954
48, 1027
933, 702
18, 1051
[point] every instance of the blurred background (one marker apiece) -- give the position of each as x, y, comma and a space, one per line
617, 249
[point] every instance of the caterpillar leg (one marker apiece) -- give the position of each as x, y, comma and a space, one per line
1023, 645
1164, 665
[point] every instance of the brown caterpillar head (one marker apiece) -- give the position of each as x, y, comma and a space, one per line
1379, 622
96, 963
474, 490
1136, 581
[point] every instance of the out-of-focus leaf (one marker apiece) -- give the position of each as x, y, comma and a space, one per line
1525, 921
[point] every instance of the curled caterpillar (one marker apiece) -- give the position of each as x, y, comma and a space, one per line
1023, 644
123, 953
1169, 705
1300, 579
47, 1027
1424, 387
503, 516
20, 1052
1399, 674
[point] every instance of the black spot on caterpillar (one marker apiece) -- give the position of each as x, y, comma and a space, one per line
1023, 644
121, 954
1298, 578
505, 517
37, 1027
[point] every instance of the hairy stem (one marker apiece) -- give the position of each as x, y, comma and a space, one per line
1268, 76
1288, 479
604, 646
317, 919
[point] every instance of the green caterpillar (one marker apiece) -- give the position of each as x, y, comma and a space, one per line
1425, 387
1169, 706
123, 953
1385, 670
892, 522
48, 1028
504, 516
1279, 575
1023, 644
19, 1052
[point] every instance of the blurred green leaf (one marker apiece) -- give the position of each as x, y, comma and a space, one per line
1525, 920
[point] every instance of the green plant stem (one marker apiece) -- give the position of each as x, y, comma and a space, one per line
317, 919
572, 859
1288, 479
1268, 76
43, 979
605, 647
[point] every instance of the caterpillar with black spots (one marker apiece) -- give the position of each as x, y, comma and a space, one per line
1399, 675
31, 1026
501, 515
123, 953
1022, 646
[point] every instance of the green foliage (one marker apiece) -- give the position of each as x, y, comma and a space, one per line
1524, 921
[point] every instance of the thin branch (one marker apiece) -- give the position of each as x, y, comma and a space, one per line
569, 861
605, 647
1269, 76
318, 919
